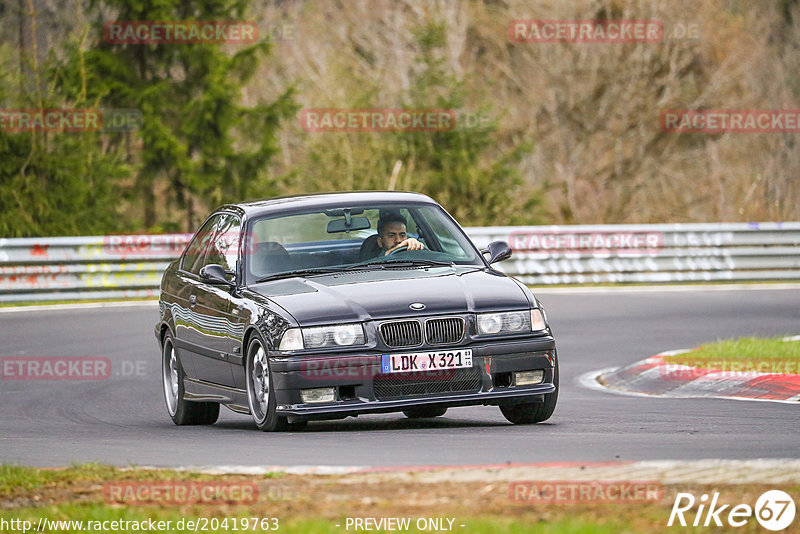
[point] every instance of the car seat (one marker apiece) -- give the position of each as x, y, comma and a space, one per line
369, 248
270, 257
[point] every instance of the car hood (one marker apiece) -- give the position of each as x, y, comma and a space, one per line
379, 294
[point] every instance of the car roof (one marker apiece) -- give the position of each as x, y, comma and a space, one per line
322, 200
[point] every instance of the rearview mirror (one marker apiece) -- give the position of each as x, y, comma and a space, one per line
345, 225
498, 251
215, 274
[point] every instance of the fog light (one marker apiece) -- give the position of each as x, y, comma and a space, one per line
526, 378
317, 395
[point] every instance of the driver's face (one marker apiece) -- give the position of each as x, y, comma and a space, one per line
393, 234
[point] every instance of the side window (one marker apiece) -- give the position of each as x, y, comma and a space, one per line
444, 235
216, 242
225, 245
411, 227
201, 242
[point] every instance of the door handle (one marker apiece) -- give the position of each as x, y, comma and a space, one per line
193, 300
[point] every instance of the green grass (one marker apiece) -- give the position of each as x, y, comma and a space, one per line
16, 480
771, 355
75, 494
28, 494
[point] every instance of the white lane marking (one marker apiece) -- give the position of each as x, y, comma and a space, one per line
263, 470
81, 306
590, 381
781, 401
658, 289
673, 352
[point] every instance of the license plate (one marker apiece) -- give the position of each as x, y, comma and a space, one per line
426, 361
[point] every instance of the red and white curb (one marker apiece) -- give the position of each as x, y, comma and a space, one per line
656, 377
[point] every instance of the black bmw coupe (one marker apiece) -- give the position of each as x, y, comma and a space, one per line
334, 305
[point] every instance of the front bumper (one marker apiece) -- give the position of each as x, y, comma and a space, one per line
355, 379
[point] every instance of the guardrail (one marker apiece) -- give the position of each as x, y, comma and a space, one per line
70, 268
119, 267
649, 253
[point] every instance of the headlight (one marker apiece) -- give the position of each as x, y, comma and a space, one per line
315, 337
490, 323
343, 335
511, 322
333, 336
347, 336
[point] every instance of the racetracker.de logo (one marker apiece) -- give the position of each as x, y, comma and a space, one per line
227, 243
567, 241
55, 368
378, 120
728, 369
50, 120
365, 367
180, 492
566, 491
70, 120
730, 120
586, 31
180, 32
145, 245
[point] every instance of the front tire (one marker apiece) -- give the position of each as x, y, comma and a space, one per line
260, 392
181, 411
533, 412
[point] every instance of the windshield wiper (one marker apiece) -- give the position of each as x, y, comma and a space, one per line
365, 266
418, 263
382, 265
298, 272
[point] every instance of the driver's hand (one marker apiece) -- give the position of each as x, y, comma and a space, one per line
411, 243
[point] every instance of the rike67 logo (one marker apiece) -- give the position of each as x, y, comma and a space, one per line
774, 510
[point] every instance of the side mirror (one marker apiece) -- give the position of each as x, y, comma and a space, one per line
498, 251
215, 274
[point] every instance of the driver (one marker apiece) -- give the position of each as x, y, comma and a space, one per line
392, 234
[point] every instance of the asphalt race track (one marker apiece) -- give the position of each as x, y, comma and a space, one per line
122, 420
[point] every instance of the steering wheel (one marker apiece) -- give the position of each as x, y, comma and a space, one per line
398, 249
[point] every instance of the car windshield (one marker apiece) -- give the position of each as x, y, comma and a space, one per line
341, 238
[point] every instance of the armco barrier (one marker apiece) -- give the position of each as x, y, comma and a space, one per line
68, 268
119, 267
648, 253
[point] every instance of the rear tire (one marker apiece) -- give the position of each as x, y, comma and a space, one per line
533, 412
422, 412
181, 411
